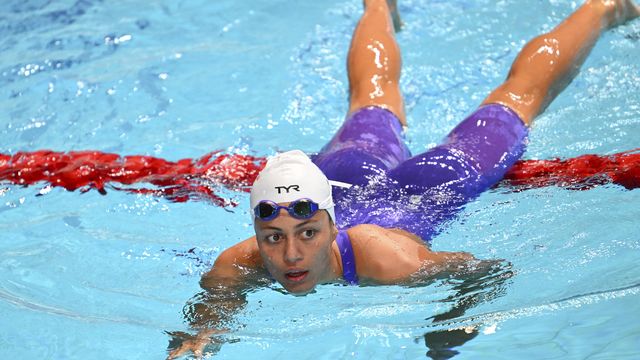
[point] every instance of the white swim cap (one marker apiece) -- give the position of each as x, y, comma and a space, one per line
292, 176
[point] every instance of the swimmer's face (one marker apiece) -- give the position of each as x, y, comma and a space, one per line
297, 252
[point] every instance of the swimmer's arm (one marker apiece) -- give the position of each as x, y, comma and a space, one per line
409, 262
457, 265
224, 286
388, 257
232, 274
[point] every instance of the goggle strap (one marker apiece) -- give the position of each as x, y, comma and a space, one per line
340, 184
327, 203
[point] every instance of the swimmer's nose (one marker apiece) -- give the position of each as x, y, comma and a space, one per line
292, 253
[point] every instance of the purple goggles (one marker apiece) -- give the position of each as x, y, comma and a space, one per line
267, 210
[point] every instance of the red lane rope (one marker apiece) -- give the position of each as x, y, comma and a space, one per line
200, 178
177, 181
579, 173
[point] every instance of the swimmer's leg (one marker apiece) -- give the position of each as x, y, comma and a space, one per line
473, 157
548, 63
374, 60
370, 141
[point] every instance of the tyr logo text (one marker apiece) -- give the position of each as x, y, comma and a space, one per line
287, 188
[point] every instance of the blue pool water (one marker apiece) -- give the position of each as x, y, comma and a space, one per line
86, 276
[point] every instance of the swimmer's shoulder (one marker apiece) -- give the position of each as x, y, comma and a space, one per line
367, 233
244, 253
386, 256
234, 262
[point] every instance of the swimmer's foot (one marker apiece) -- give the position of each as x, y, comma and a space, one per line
395, 15
617, 12
391, 6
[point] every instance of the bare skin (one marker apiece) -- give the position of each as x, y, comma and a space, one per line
374, 62
303, 253
548, 63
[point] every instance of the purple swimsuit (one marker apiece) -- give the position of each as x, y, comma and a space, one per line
419, 193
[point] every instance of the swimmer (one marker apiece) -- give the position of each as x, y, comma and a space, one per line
363, 210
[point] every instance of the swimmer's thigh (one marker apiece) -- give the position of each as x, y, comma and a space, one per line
472, 158
369, 143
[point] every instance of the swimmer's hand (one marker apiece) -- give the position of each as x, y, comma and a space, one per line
191, 343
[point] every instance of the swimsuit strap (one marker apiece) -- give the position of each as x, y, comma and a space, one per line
348, 260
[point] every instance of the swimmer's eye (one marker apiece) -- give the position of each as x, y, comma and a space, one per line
308, 234
273, 238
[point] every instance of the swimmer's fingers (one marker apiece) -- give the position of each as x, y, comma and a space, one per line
187, 346
492, 268
194, 344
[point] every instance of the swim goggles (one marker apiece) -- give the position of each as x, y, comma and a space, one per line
267, 210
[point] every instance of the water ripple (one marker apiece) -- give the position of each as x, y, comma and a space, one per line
575, 301
24, 304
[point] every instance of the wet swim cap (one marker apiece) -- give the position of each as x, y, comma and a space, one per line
291, 176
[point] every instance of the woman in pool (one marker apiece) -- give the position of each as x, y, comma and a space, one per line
377, 231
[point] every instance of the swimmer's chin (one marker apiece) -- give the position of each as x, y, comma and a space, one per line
300, 292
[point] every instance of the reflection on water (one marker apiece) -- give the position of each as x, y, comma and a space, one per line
468, 293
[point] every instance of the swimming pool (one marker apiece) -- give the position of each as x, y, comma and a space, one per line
92, 276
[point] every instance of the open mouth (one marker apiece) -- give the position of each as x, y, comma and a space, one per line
296, 276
